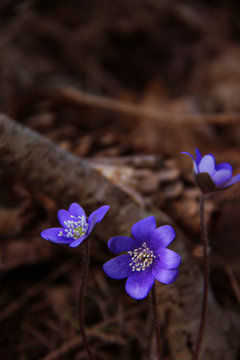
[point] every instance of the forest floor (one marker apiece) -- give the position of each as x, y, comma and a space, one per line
127, 86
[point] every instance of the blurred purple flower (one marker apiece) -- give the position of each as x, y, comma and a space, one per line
147, 258
76, 227
209, 176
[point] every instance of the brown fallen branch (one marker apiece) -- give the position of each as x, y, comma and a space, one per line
44, 167
138, 111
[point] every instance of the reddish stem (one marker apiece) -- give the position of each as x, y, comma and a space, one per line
206, 279
80, 307
156, 322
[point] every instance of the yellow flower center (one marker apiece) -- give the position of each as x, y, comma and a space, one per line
76, 228
141, 258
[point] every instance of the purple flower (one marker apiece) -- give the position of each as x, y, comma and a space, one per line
76, 227
209, 176
146, 257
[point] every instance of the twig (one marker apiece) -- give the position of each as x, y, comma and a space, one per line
234, 282
151, 161
34, 290
206, 279
156, 323
80, 308
68, 345
102, 102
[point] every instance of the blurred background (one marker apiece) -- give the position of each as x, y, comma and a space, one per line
127, 85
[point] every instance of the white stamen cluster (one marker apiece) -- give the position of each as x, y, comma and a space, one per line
75, 228
142, 258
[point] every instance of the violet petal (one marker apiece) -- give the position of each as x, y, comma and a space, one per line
139, 284
221, 176
207, 164
53, 235
195, 165
118, 267
162, 237
198, 156
78, 241
64, 216
76, 210
232, 181
118, 244
142, 230
97, 216
225, 166
165, 276
167, 259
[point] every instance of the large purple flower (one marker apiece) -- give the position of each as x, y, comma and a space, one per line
76, 227
209, 176
146, 257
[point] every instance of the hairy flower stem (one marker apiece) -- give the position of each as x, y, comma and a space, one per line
206, 278
80, 306
156, 322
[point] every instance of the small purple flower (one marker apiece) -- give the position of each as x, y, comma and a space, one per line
147, 258
76, 227
209, 176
